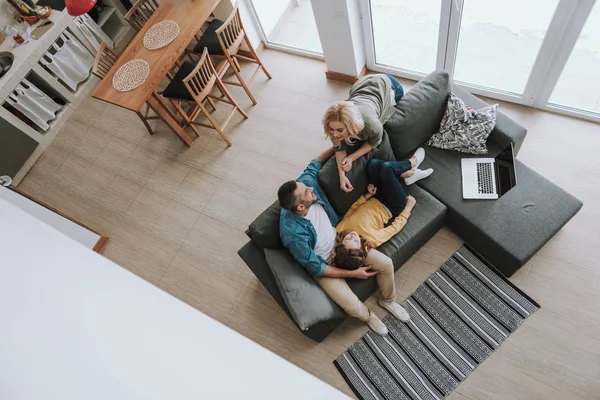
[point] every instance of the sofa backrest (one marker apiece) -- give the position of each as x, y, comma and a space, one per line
418, 114
264, 230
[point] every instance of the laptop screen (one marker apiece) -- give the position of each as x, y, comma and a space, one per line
506, 176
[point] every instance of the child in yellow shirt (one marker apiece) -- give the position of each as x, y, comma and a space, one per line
364, 225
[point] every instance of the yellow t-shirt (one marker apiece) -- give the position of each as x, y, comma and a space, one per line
368, 218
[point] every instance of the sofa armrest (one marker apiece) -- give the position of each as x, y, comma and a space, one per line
506, 131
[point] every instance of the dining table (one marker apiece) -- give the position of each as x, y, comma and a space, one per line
190, 15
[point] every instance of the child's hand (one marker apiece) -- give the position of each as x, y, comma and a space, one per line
371, 190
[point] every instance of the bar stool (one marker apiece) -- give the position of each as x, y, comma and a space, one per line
223, 40
104, 61
194, 84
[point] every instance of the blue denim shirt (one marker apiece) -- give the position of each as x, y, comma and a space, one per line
298, 234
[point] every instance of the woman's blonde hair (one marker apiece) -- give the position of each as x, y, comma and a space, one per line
347, 113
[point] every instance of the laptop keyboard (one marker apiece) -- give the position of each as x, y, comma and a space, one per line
484, 178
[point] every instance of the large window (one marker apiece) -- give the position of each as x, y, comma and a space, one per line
405, 33
533, 52
499, 42
289, 23
579, 84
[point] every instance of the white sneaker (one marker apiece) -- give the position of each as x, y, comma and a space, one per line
377, 325
420, 156
395, 309
418, 175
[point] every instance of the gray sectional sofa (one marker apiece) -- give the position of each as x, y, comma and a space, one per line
506, 232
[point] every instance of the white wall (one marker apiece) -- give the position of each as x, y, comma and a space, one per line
49, 217
339, 26
77, 326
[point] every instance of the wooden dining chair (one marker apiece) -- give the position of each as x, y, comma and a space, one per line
104, 61
194, 84
140, 13
225, 40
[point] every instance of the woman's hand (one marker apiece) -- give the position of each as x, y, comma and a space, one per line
371, 190
346, 164
345, 184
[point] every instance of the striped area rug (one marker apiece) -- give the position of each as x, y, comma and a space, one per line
459, 316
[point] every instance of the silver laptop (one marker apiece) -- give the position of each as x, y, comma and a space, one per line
489, 178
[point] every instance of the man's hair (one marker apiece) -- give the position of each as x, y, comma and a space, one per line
349, 259
286, 196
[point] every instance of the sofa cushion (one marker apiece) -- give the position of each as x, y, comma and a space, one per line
506, 130
329, 178
507, 232
428, 217
264, 230
418, 114
306, 301
463, 128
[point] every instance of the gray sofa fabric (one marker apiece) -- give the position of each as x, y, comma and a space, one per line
306, 301
254, 257
507, 232
428, 217
418, 114
329, 178
264, 230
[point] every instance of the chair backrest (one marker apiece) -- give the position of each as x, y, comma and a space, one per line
140, 13
231, 33
104, 61
201, 80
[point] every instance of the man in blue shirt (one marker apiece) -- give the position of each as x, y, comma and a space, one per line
307, 228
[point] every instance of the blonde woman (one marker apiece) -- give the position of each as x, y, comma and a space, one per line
355, 126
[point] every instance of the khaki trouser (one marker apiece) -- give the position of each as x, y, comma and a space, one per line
340, 292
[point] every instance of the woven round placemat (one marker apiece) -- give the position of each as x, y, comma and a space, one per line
161, 34
131, 75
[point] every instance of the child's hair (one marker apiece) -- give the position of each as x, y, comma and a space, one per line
349, 259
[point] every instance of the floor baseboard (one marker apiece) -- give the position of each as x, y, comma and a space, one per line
336, 76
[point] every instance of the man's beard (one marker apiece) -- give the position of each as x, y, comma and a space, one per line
307, 204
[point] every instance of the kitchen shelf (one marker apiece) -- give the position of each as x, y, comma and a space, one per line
105, 15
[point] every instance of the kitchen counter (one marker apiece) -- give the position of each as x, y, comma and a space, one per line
24, 52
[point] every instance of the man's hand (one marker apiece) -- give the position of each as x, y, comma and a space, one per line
371, 190
364, 272
347, 164
345, 184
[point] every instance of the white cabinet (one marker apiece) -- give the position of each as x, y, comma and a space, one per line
27, 66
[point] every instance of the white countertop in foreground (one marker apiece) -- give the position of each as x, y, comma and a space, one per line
77, 326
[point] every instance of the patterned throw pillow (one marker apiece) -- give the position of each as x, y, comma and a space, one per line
464, 129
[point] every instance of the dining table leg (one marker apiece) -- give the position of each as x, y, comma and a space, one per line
160, 107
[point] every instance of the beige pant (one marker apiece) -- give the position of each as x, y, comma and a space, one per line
340, 292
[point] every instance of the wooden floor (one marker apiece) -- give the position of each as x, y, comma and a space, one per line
176, 217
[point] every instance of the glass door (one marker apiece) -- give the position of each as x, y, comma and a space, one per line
289, 24
578, 86
498, 43
498, 49
404, 35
